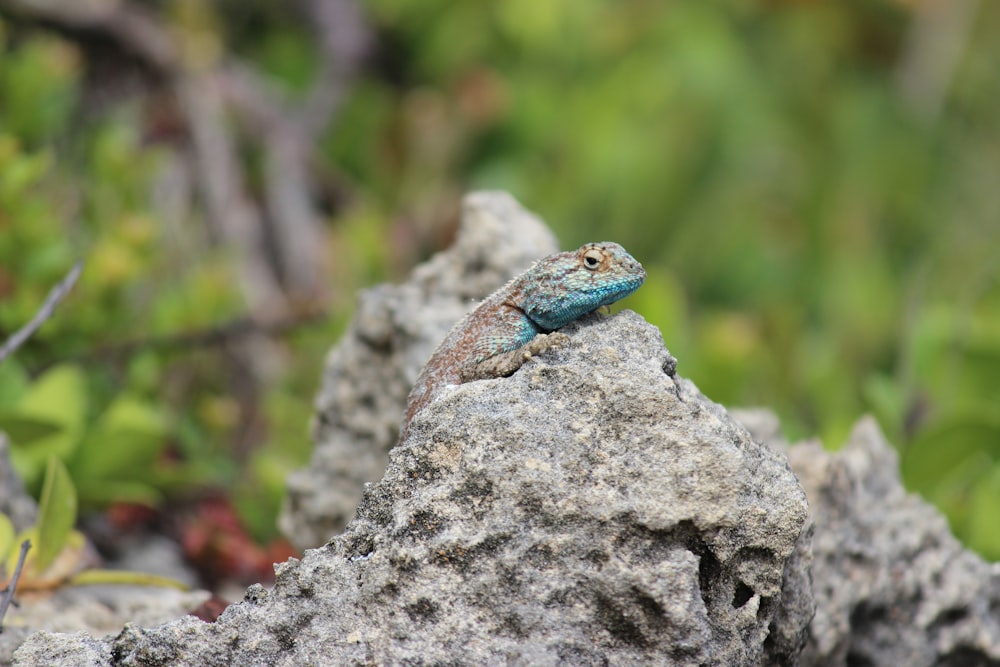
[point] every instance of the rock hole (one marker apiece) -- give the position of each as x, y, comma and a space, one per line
952, 616
709, 573
742, 595
855, 659
611, 617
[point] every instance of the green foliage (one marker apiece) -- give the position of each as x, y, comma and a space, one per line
116, 458
815, 240
38, 89
111, 457
7, 535
107, 416
56, 514
57, 405
56, 549
57, 554
954, 459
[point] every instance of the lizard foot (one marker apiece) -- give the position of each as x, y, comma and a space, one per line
543, 342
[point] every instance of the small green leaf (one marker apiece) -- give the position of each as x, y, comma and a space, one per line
886, 399
25, 429
60, 397
101, 492
984, 516
88, 577
56, 513
61, 394
13, 382
123, 444
7, 534
945, 444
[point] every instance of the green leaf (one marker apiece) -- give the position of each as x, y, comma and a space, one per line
7, 534
943, 446
984, 516
123, 444
24, 429
58, 397
94, 492
56, 513
886, 399
13, 382
126, 577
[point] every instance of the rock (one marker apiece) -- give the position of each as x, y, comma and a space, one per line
11, 638
97, 610
77, 650
591, 509
892, 585
101, 609
370, 371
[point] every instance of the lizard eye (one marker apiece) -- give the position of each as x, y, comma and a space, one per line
592, 259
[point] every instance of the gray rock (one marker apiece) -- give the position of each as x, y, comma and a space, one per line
77, 650
892, 585
370, 371
87, 611
587, 510
10, 639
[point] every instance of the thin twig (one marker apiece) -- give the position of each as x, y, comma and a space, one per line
45, 312
222, 334
8, 595
938, 35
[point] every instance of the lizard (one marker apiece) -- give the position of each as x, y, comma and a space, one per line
519, 320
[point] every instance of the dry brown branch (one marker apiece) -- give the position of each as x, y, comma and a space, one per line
56, 294
938, 35
8, 593
223, 334
134, 29
234, 217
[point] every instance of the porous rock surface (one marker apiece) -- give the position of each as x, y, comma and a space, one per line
395, 329
591, 509
892, 585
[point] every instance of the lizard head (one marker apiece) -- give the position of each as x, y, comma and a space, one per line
562, 287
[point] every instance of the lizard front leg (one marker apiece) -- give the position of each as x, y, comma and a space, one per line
505, 363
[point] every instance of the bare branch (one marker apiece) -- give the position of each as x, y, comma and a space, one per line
345, 39
56, 294
938, 35
8, 594
223, 334
235, 217
134, 28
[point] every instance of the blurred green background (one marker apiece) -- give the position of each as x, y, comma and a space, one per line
813, 186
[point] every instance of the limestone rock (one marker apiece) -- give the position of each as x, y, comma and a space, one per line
395, 329
591, 509
892, 585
